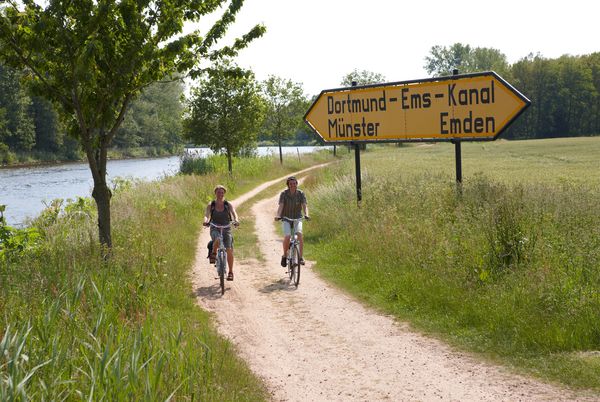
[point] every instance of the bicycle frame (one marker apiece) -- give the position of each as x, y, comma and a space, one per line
294, 234
221, 260
293, 252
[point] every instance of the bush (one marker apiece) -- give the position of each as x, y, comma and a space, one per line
16, 242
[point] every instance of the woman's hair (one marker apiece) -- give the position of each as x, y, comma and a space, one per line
220, 187
289, 179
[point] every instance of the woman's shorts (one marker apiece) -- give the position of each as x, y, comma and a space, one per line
287, 228
227, 237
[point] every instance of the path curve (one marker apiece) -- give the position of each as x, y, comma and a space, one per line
315, 343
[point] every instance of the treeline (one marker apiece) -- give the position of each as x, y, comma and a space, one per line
31, 128
564, 92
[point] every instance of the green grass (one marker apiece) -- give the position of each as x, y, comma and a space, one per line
74, 326
509, 269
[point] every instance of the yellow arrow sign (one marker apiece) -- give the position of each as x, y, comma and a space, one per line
469, 107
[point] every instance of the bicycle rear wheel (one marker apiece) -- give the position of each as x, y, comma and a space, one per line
294, 265
221, 264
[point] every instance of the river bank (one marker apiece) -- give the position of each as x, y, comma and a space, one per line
26, 190
31, 159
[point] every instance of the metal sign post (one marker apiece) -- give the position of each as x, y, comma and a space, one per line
357, 168
458, 157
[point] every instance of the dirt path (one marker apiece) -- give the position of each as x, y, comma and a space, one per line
315, 343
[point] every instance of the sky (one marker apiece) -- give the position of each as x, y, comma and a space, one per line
317, 42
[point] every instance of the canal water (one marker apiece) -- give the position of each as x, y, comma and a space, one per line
27, 190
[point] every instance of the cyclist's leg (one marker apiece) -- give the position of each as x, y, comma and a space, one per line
228, 243
300, 247
286, 244
300, 241
230, 259
214, 235
287, 231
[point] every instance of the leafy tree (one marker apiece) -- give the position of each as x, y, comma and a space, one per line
560, 90
489, 59
17, 130
154, 119
362, 77
593, 62
225, 111
442, 60
576, 94
286, 105
91, 58
49, 133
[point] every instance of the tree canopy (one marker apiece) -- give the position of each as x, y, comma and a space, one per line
16, 123
225, 111
565, 94
154, 118
91, 58
362, 77
286, 105
443, 60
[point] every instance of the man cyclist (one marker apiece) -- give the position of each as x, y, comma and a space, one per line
221, 212
292, 203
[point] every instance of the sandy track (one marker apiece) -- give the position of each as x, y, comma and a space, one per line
315, 343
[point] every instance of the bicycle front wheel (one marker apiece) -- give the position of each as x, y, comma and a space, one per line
294, 265
221, 267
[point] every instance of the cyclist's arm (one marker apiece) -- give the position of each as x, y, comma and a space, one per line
207, 215
234, 214
280, 210
305, 209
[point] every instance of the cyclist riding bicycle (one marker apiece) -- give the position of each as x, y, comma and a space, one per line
221, 212
292, 203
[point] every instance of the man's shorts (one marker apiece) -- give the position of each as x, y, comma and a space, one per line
287, 228
227, 237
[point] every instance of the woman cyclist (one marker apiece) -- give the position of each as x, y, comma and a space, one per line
292, 203
221, 212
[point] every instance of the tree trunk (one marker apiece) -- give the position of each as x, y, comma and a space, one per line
280, 152
229, 162
96, 150
97, 159
102, 196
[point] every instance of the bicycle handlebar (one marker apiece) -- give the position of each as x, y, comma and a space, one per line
286, 219
235, 223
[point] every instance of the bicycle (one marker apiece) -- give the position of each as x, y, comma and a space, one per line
293, 253
221, 258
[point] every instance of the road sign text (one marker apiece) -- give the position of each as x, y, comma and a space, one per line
474, 106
